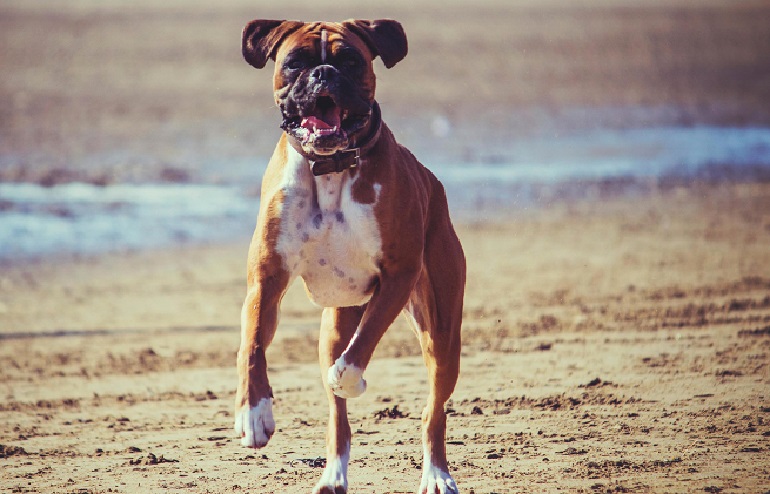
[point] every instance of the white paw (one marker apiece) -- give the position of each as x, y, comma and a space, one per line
254, 425
346, 380
335, 477
437, 481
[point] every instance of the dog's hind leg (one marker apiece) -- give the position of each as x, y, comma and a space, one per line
337, 328
435, 311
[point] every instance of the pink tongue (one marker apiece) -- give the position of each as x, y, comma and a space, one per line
314, 123
327, 120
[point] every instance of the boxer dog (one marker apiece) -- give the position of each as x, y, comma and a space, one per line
361, 221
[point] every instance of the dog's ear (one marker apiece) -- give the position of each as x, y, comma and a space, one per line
261, 38
384, 37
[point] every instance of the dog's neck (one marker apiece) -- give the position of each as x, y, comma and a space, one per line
346, 158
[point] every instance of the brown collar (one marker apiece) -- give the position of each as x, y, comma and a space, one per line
347, 158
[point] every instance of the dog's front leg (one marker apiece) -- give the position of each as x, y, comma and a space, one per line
345, 376
337, 328
254, 422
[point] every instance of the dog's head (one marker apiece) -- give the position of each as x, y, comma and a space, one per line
324, 80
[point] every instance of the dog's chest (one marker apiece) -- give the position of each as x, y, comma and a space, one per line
328, 239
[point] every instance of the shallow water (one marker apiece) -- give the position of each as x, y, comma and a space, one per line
87, 219
517, 175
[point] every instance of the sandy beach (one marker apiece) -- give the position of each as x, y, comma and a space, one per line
613, 341
620, 346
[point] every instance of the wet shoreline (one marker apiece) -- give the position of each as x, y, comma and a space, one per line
71, 216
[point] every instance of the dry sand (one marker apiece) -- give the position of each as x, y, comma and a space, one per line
614, 346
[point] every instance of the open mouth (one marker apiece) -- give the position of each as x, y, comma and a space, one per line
325, 127
325, 120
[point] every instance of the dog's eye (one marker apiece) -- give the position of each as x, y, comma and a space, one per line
296, 64
348, 61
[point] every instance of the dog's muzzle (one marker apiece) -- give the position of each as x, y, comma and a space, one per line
323, 113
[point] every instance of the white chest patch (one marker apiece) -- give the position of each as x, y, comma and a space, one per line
332, 242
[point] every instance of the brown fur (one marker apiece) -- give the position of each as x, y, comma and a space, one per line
421, 269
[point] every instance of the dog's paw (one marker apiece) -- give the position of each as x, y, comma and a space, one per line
437, 481
255, 425
329, 489
334, 479
346, 380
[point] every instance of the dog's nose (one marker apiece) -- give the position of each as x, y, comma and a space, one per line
325, 73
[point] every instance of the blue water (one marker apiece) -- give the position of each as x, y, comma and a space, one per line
517, 175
